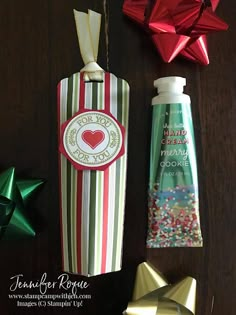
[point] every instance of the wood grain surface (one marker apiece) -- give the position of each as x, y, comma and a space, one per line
39, 47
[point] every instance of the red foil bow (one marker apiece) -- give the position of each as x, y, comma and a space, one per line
178, 27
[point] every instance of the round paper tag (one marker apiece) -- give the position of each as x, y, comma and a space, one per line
92, 140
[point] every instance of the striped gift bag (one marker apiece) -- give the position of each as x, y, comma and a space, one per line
92, 202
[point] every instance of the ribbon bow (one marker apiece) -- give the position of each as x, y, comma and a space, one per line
88, 31
14, 195
178, 27
153, 296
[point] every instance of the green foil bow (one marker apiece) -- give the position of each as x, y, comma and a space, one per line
153, 296
14, 194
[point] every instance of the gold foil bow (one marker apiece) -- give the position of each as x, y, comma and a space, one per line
88, 32
153, 296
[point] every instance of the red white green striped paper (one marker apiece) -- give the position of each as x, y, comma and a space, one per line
92, 202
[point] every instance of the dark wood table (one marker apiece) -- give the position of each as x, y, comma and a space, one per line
38, 48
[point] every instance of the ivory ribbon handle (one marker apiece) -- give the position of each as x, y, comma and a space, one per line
88, 32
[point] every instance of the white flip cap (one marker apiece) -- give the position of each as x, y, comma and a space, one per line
170, 84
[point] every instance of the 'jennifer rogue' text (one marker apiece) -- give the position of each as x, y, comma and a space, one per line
63, 283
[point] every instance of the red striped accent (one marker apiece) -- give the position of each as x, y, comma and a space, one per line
106, 184
79, 220
81, 105
82, 92
105, 219
59, 168
107, 92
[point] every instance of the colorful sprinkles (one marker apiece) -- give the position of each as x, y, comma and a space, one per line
172, 218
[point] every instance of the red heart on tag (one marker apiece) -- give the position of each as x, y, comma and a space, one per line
93, 138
